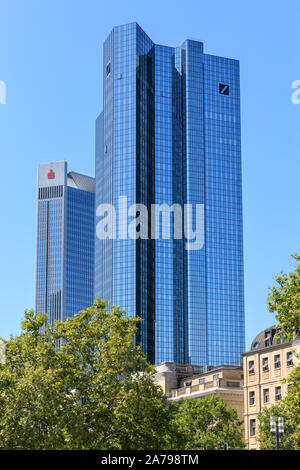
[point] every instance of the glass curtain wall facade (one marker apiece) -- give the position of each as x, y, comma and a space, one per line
65, 241
169, 134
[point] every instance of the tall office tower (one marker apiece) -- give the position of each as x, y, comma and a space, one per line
169, 134
65, 241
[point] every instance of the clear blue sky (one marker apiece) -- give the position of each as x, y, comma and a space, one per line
50, 60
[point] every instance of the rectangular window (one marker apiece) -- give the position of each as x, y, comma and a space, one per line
251, 398
268, 339
215, 377
252, 427
265, 364
251, 367
266, 395
289, 359
277, 363
277, 393
201, 381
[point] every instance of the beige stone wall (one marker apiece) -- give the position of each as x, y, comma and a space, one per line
167, 382
235, 400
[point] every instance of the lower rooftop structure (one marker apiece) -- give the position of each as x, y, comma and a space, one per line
180, 382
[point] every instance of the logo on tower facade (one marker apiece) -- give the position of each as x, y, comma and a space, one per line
51, 175
223, 89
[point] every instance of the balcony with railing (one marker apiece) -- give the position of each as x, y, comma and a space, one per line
204, 387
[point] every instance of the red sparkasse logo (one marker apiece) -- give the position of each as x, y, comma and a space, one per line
51, 175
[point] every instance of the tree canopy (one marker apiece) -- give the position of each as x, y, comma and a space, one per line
94, 391
208, 423
289, 409
284, 301
85, 384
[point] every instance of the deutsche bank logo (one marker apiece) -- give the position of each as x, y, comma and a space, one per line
223, 89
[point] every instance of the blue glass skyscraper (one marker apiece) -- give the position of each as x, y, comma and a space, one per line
169, 134
65, 241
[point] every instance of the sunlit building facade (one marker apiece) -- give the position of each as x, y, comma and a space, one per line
169, 134
65, 241
267, 367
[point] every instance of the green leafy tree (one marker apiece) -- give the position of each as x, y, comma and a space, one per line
208, 423
289, 409
95, 391
284, 300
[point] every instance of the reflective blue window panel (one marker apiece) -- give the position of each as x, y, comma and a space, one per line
65, 241
79, 285
169, 134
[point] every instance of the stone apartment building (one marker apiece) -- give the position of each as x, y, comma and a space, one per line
268, 362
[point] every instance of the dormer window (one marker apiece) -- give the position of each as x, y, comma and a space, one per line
268, 339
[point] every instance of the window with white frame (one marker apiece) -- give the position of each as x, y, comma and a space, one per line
289, 359
265, 364
268, 339
251, 367
252, 398
252, 427
277, 362
277, 393
266, 395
